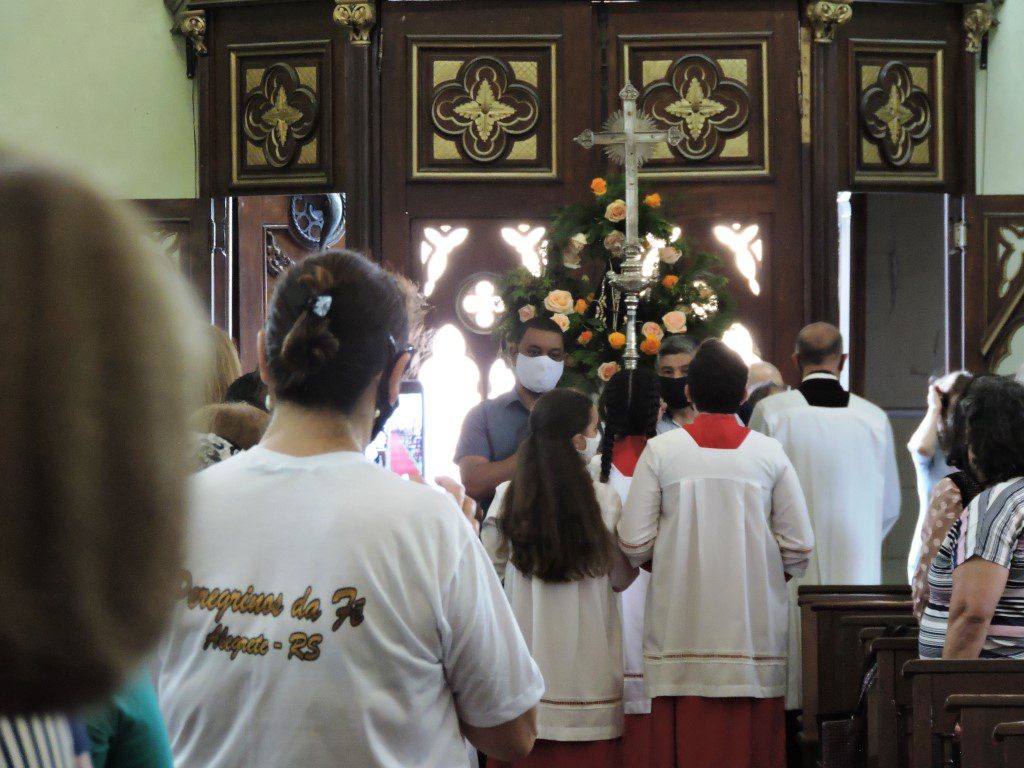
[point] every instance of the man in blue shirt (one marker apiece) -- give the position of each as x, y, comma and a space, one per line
493, 430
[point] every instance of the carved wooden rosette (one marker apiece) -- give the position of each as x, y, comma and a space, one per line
899, 111
281, 107
483, 110
715, 93
825, 18
358, 18
896, 113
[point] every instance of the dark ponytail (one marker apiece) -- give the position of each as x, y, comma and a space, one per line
551, 519
629, 405
329, 329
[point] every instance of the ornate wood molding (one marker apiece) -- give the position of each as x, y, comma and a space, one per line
193, 26
825, 18
979, 18
359, 18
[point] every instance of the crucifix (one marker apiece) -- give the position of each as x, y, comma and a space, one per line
629, 138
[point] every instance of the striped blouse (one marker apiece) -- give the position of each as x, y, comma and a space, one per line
36, 741
991, 528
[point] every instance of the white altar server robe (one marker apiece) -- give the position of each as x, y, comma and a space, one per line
635, 700
846, 461
574, 633
724, 527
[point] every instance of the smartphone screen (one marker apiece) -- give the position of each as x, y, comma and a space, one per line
400, 446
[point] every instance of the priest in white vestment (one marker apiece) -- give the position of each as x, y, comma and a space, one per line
718, 511
842, 448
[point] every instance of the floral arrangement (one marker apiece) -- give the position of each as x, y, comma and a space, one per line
686, 297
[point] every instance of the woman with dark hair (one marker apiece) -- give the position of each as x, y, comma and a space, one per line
629, 409
549, 533
976, 608
951, 494
349, 617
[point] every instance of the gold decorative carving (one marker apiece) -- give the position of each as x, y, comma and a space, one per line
445, 71
193, 27
825, 18
697, 96
280, 116
979, 18
806, 101
526, 71
897, 114
486, 109
654, 70
359, 18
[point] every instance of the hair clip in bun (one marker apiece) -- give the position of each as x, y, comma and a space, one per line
320, 305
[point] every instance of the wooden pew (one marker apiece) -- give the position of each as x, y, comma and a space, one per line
933, 681
831, 619
889, 702
978, 715
1011, 737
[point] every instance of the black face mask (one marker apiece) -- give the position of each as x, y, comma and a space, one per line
385, 408
673, 392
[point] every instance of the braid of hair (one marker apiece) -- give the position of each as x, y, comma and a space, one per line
607, 447
653, 411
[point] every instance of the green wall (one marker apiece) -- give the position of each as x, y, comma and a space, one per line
1001, 107
100, 85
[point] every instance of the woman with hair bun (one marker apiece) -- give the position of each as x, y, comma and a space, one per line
630, 407
331, 613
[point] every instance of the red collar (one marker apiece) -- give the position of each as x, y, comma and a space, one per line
626, 453
717, 430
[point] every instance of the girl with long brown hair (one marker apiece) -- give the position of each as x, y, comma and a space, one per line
550, 534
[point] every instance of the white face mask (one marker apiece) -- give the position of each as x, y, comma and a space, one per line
593, 443
538, 374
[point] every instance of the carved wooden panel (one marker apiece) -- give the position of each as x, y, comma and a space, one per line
898, 124
193, 235
994, 282
715, 91
483, 108
281, 115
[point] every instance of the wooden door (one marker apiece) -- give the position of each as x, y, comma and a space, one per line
994, 283
195, 235
274, 232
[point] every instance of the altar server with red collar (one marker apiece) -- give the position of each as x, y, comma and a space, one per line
720, 510
550, 533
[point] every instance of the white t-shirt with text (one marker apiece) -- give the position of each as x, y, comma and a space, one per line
333, 614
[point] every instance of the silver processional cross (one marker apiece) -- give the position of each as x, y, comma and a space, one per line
629, 139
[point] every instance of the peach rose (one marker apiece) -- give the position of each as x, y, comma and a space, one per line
606, 370
650, 345
584, 338
616, 211
581, 306
653, 200
561, 321
527, 313
614, 241
670, 281
617, 340
599, 186
652, 330
674, 322
669, 254
559, 301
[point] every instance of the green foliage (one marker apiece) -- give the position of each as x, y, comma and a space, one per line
685, 282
